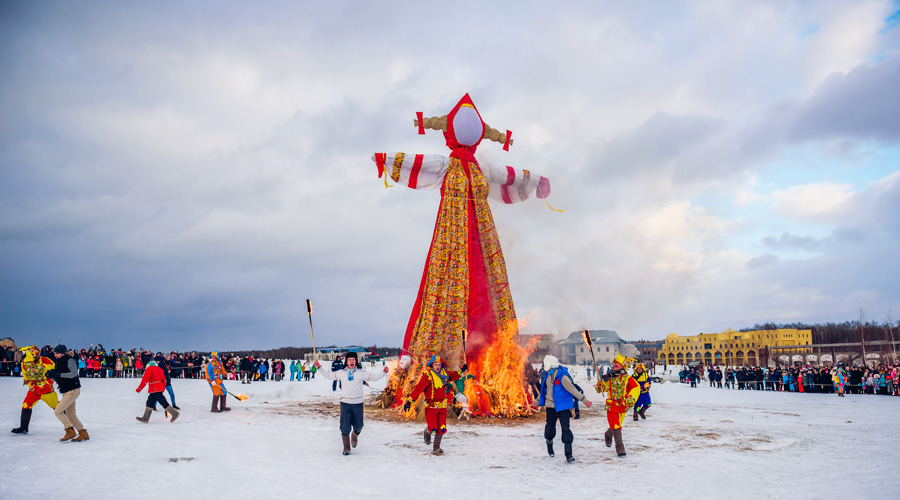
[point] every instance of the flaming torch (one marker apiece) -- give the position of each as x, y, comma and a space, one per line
239, 397
465, 335
587, 340
309, 311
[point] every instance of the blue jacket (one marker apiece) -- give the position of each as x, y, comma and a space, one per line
562, 399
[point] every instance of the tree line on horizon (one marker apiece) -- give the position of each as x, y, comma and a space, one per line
837, 333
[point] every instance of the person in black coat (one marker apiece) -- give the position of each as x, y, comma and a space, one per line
336, 366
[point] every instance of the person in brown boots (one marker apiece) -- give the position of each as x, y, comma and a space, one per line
66, 376
433, 384
622, 392
352, 378
155, 380
215, 373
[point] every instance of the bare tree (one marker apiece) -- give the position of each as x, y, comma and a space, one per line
890, 325
862, 336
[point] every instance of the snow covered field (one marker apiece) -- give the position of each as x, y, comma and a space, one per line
284, 442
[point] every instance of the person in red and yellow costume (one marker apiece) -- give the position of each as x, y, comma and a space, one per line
40, 388
215, 373
433, 384
622, 392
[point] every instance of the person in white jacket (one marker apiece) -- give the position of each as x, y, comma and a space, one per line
352, 378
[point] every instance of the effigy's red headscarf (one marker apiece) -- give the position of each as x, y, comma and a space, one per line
465, 129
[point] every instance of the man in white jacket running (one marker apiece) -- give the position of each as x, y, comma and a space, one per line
352, 378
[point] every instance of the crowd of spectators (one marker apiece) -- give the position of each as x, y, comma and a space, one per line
97, 362
880, 380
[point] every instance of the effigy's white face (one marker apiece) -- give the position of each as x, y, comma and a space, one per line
467, 126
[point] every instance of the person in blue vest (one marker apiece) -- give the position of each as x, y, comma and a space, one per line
558, 400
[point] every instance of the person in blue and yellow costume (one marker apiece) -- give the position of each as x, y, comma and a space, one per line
215, 373
643, 402
433, 384
40, 388
622, 392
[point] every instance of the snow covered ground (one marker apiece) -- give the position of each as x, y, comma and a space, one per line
696, 443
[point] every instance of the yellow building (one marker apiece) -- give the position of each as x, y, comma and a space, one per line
729, 348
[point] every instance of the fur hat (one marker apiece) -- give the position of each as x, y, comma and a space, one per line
550, 362
351, 354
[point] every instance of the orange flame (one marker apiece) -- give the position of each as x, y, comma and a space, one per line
242, 397
501, 389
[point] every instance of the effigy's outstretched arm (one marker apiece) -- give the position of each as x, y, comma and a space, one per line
511, 185
411, 170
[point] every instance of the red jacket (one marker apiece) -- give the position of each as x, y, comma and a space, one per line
426, 385
155, 377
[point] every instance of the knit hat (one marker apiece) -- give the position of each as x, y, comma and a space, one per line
60, 349
550, 362
152, 363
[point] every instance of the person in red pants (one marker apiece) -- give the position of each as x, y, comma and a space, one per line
622, 392
434, 385
40, 388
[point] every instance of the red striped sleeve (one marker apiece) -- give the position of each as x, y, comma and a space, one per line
414, 174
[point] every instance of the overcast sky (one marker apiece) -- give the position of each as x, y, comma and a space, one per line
184, 175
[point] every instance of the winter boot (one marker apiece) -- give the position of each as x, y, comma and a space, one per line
427, 435
146, 418
436, 449
354, 439
635, 415
569, 457
23, 422
620, 446
641, 413
222, 406
215, 405
608, 438
550, 447
346, 439
175, 413
82, 436
70, 433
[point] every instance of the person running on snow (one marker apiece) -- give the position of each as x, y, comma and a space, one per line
66, 376
643, 402
155, 380
622, 393
40, 388
214, 374
558, 400
434, 385
352, 378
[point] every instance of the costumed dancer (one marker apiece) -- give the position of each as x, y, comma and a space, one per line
66, 376
433, 384
155, 380
558, 402
840, 379
352, 379
622, 392
40, 388
464, 284
214, 374
643, 379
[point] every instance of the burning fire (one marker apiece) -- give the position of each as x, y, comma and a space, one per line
242, 397
499, 388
